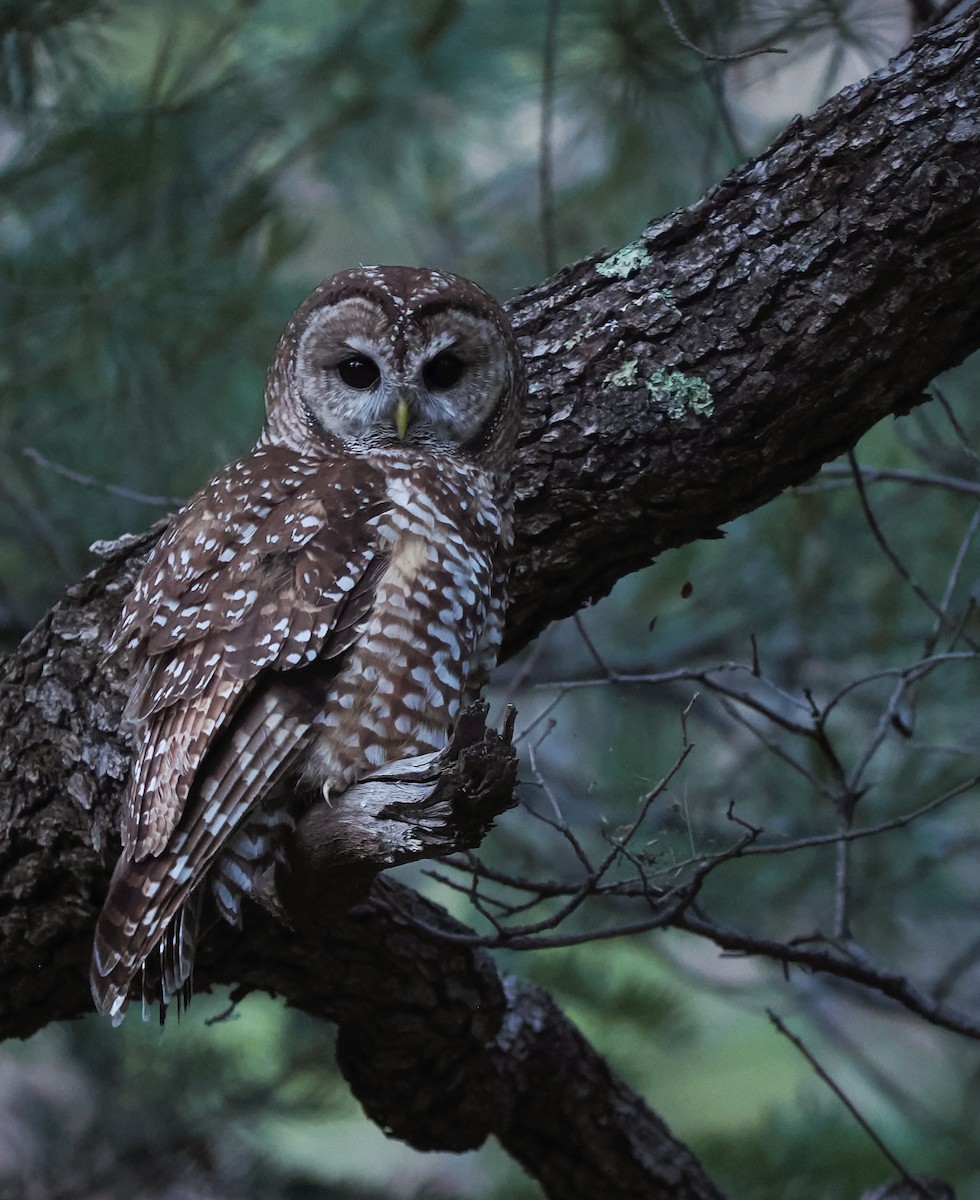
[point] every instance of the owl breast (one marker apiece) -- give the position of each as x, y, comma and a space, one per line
434, 621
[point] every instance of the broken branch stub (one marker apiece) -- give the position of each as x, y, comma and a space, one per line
424, 807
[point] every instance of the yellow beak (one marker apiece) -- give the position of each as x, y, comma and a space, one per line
402, 418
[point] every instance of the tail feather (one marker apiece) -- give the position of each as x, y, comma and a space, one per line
147, 897
116, 960
177, 948
247, 856
147, 904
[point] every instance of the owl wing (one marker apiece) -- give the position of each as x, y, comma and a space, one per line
272, 566
269, 571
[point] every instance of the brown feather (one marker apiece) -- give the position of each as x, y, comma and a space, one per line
201, 656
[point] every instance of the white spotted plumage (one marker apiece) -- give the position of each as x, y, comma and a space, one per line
325, 605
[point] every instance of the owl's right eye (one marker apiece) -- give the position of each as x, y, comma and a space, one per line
359, 372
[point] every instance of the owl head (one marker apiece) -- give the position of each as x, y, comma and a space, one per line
398, 356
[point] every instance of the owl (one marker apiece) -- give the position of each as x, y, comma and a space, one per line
325, 605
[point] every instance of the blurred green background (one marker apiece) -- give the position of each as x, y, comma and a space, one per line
174, 178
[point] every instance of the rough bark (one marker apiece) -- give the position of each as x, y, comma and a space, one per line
676, 384
739, 344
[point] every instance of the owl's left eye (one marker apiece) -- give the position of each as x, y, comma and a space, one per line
443, 371
359, 372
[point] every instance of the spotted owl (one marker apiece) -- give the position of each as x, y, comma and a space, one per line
325, 605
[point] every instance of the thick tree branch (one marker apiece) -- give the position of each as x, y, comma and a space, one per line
739, 344
442, 1052
676, 384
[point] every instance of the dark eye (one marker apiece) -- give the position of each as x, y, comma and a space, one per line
359, 372
443, 371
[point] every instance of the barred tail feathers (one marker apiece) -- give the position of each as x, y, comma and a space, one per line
146, 900
123, 946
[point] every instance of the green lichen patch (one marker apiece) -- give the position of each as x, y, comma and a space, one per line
624, 262
681, 395
582, 332
625, 376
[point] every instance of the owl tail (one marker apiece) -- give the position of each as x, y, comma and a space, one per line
149, 924
124, 948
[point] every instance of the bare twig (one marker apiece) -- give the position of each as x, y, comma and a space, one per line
961, 435
915, 671
546, 179
830, 961
923, 479
675, 28
42, 528
590, 645
529, 665
842, 860
715, 79
847, 1102
560, 823
88, 481
886, 546
953, 579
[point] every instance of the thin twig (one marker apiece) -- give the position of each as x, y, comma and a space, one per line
824, 1012
917, 670
685, 41
948, 483
964, 962
774, 748
842, 862
700, 675
520, 936
867, 831
887, 983
953, 580
544, 715
818, 840
561, 824
597, 658
848, 1103
715, 80
546, 179
112, 489
961, 435
886, 546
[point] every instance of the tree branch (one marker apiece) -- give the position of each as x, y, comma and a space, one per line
739, 344
676, 384
499, 1057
